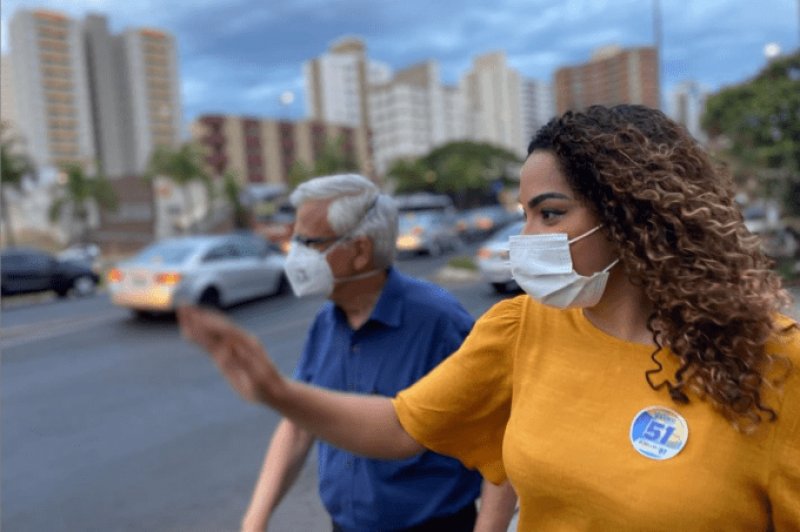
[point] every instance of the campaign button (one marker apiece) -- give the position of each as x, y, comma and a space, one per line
658, 432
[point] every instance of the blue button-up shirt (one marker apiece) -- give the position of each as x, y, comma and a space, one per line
414, 326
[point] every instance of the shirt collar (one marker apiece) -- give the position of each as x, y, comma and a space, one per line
389, 308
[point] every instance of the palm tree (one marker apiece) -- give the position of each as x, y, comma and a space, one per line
183, 166
82, 191
14, 167
233, 191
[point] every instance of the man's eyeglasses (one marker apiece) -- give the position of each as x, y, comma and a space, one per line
311, 241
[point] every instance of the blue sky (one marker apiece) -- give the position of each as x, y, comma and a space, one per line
238, 56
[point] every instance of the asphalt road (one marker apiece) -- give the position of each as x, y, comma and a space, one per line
112, 423
115, 424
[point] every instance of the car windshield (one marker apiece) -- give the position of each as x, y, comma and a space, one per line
168, 253
413, 219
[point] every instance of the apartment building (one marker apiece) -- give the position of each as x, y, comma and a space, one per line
337, 91
688, 106
538, 106
337, 83
151, 77
414, 113
259, 150
494, 102
613, 76
52, 106
82, 95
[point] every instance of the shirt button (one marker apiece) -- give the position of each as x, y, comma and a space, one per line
355, 348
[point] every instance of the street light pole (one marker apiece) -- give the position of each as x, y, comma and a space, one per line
658, 38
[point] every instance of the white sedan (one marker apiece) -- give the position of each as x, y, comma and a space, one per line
213, 270
493, 261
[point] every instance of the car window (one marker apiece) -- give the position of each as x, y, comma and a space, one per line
29, 261
221, 252
171, 253
12, 262
252, 247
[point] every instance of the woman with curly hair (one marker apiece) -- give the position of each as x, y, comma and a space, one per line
646, 381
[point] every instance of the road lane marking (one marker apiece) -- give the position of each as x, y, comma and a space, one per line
18, 335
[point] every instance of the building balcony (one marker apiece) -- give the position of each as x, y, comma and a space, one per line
213, 139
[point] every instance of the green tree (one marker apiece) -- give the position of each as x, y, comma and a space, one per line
299, 172
14, 166
759, 124
333, 159
183, 166
80, 192
464, 170
233, 194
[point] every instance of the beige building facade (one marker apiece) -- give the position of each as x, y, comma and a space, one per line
613, 76
259, 150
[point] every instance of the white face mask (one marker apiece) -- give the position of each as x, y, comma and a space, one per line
542, 266
308, 270
310, 274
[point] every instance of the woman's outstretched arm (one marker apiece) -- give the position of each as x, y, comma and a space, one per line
365, 425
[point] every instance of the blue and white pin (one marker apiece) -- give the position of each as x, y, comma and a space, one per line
659, 433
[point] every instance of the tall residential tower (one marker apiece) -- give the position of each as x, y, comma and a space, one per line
613, 76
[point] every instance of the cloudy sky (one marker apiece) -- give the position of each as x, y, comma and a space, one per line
238, 56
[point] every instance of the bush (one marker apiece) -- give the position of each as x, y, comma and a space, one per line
462, 263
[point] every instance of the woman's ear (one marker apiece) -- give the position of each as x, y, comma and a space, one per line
363, 256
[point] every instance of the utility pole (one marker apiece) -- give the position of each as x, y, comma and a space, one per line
658, 38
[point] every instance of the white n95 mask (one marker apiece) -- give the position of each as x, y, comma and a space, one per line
542, 266
310, 274
308, 270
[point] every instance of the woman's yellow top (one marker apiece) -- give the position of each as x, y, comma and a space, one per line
546, 398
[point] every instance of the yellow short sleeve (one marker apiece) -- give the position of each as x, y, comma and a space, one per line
784, 479
461, 408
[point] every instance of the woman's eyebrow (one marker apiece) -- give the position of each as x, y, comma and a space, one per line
536, 200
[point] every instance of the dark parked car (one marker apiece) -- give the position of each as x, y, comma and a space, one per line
27, 270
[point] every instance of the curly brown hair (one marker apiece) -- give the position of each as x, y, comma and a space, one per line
682, 239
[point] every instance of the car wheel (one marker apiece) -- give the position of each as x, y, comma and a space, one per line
435, 249
210, 298
283, 286
141, 314
83, 286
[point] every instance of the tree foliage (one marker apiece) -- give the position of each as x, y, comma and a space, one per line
459, 169
333, 159
233, 194
14, 167
82, 191
761, 118
183, 166
760, 123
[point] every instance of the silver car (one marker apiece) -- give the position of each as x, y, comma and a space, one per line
427, 231
215, 270
492, 259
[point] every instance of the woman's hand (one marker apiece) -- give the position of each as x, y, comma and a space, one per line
239, 355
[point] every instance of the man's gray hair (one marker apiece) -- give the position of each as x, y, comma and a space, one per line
358, 208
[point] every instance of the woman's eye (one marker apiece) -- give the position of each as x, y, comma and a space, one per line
549, 214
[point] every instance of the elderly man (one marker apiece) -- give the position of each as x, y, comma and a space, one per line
380, 332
